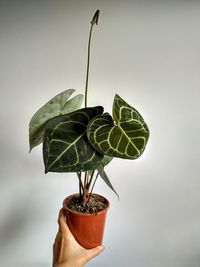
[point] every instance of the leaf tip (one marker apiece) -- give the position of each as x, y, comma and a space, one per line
30, 148
46, 169
117, 96
95, 17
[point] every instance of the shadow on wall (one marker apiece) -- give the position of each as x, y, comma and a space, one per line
17, 218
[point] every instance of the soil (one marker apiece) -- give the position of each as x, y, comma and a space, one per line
95, 204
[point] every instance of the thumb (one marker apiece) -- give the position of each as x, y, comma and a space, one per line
91, 253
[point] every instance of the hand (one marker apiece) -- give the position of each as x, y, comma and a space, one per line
66, 250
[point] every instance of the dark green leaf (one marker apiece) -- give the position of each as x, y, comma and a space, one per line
66, 147
104, 176
125, 137
60, 104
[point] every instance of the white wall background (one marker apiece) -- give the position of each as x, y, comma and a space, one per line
147, 52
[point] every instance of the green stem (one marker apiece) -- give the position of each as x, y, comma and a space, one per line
90, 180
94, 21
94, 184
80, 184
88, 66
85, 180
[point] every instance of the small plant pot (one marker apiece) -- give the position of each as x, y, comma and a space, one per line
87, 228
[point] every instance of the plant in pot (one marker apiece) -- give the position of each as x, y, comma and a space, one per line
84, 141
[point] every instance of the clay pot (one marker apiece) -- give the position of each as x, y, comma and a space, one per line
87, 228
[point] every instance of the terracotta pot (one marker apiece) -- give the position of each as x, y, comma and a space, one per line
87, 228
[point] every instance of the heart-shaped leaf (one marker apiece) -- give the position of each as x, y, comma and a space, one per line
66, 147
125, 137
60, 104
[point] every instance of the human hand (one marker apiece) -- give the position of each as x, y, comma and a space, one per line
66, 250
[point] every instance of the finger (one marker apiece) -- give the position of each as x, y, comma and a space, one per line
61, 216
58, 236
61, 219
94, 252
63, 224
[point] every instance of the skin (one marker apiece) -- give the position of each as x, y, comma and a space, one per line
66, 251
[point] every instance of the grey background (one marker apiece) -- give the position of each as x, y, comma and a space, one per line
148, 53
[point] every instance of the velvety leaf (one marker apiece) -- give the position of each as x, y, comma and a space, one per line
60, 104
104, 176
66, 147
124, 137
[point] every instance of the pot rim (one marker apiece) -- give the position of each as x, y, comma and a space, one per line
65, 207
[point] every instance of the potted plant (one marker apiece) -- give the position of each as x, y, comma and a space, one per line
85, 140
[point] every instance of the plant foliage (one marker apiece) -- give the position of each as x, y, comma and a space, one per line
86, 140
123, 136
66, 147
60, 104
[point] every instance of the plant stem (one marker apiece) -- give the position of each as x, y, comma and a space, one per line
85, 180
94, 21
80, 184
91, 177
94, 183
88, 66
